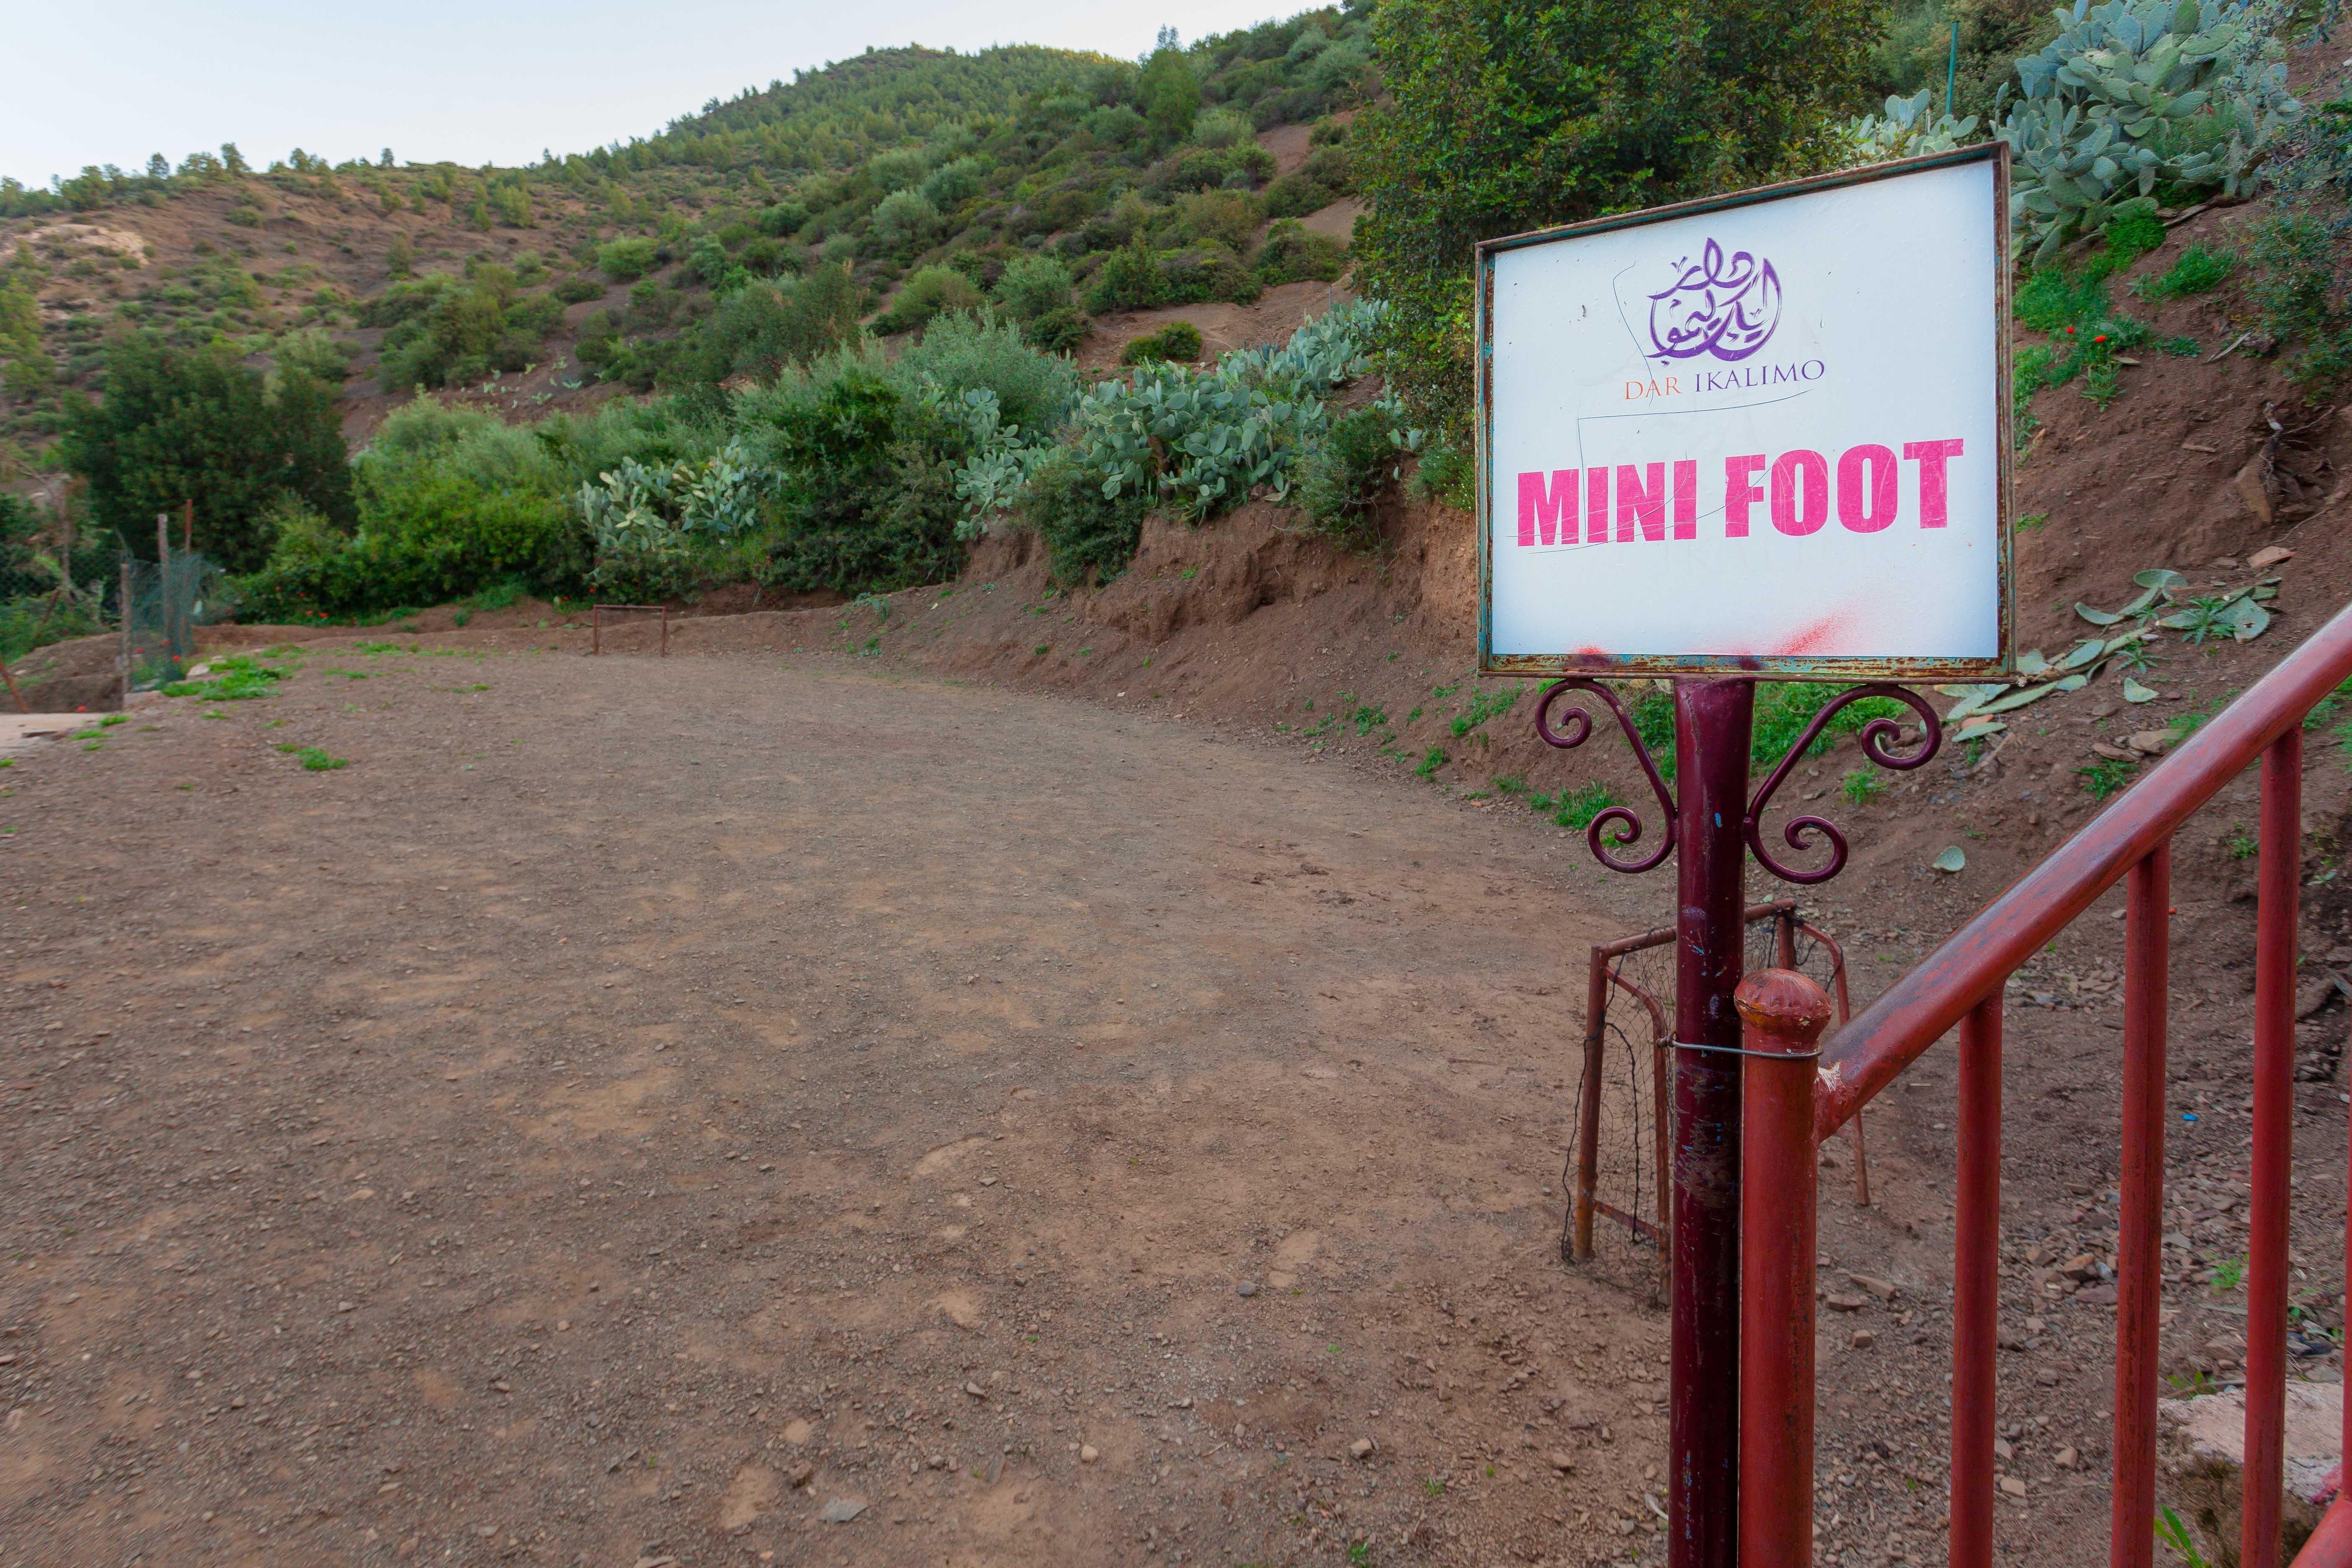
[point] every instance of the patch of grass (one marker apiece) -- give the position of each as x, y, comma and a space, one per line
1581, 805
1861, 786
2199, 270
2107, 776
240, 679
1430, 761
2175, 1534
1482, 707
2241, 843
2230, 1274
315, 760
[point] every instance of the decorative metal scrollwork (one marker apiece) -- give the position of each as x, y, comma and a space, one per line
1878, 738
1578, 730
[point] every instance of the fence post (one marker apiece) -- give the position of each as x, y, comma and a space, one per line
2139, 1282
125, 609
595, 628
1784, 1014
1976, 1284
664, 642
1588, 1112
2278, 879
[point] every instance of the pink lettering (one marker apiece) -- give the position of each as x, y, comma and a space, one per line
1739, 492
1931, 457
1794, 512
1640, 503
1596, 506
1866, 500
1685, 500
1548, 508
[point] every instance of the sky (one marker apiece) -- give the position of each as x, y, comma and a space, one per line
110, 82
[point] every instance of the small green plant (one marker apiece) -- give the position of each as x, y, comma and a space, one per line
2028, 524
2196, 271
1482, 707
2107, 776
2241, 843
1360, 1552
315, 760
1861, 786
2230, 1274
1430, 761
1579, 806
2175, 1534
240, 679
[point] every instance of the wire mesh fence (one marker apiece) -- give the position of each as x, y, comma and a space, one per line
163, 603
1618, 1174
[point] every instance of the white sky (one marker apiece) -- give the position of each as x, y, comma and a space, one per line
110, 82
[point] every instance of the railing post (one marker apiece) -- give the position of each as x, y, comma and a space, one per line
2139, 1252
1976, 1281
1783, 1013
1713, 721
1588, 1114
595, 628
2278, 882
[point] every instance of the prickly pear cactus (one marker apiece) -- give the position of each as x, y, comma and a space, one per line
2129, 97
1905, 131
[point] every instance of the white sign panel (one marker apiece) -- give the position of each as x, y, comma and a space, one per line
1760, 434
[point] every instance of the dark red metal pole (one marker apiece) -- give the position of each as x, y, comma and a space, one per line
1784, 1012
1976, 1284
2131, 1539
1588, 1114
1711, 724
2278, 882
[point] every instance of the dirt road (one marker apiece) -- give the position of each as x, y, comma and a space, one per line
636, 1109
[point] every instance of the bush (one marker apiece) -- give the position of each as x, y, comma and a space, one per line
1060, 330
1206, 272
578, 290
1128, 279
1345, 473
451, 330
626, 260
1292, 255
1222, 128
784, 219
1089, 537
963, 354
952, 184
904, 221
924, 295
1178, 340
1033, 286
755, 331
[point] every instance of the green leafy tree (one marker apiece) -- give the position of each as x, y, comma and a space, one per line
180, 425
1501, 119
1170, 90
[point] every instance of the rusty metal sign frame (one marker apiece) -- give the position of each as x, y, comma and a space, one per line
1995, 153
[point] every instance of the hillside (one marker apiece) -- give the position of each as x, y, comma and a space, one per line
551, 287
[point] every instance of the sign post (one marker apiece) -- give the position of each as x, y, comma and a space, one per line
1764, 436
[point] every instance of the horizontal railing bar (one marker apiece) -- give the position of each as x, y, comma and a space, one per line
1915, 1011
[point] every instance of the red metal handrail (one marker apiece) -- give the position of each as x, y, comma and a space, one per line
1961, 984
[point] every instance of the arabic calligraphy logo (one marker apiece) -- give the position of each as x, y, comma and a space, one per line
1723, 306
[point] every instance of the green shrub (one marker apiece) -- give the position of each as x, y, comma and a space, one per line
963, 354
1221, 127
784, 219
1129, 280
1178, 340
757, 331
626, 260
1346, 472
1293, 255
952, 184
578, 290
1033, 286
1089, 537
1202, 273
924, 295
904, 221
1060, 330
445, 330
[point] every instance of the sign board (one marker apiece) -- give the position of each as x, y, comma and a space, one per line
1765, 433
